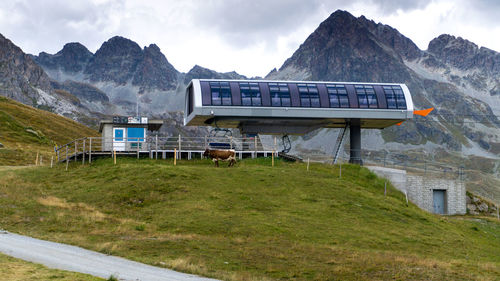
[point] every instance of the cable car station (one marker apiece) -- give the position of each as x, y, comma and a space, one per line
297, 107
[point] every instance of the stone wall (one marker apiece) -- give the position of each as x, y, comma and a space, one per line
420, 188
420, 191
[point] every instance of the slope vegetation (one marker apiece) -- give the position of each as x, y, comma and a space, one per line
250, 222
25, 130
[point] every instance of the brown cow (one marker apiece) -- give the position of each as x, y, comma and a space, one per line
221, 154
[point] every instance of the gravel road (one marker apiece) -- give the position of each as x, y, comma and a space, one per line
66, 257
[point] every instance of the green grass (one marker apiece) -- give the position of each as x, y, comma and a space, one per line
250, 222
25, 130
17, 270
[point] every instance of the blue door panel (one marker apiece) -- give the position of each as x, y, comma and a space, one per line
119, 134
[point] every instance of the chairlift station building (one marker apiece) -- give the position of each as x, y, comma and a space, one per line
126, 133
297, 107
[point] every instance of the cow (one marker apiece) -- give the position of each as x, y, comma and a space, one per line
221, 154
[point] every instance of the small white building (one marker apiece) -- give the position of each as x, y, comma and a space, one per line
430, 193
127, 133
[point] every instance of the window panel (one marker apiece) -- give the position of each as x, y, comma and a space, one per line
280, 94
390, 97
250, 94
309, 96
344, 101
221, 93
366, 96
337, 95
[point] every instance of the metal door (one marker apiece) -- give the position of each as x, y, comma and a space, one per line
119, 139
439, 201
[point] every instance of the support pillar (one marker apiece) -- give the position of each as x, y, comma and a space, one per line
355, 135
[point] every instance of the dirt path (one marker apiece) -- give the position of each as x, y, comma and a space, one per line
66, 257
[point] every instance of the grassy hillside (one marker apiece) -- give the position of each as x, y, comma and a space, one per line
24, 130
250, 222
13, 269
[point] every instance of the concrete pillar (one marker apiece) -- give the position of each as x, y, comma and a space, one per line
355, 135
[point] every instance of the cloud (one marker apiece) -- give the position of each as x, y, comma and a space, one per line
251, 37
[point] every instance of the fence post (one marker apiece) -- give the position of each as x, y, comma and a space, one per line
175, 156
255, 145
272, 158
340, 170
307, 164
180, 149
83, 152
67, 159
76, 147
114, 157
138, 143
385, 188
275, 148
90, 150
156, 146
51, 161
36, 159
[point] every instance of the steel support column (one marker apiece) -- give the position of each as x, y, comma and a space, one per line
355, 134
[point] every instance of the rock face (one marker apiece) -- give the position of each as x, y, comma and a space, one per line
198, 72
154, 71
72, 58
346, 48
119, 61
81, 90
20, 77
115, 61
464, 55
130, 77
479, 206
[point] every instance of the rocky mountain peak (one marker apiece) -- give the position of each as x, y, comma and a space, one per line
154, 71
116, 60
463, 54
346, 48
393, 38
199, 72
72, 58
20, 76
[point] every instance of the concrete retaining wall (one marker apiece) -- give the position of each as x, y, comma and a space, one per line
420, 189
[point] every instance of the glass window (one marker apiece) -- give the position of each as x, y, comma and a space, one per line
366, 96
337, 95
280, 94
250, 94
135, 134
221, 93
395, 97
400, 97
309, 96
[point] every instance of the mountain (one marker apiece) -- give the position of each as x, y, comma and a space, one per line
132, 78
23, 80
72, 58
124, 78
198, 72
346, 48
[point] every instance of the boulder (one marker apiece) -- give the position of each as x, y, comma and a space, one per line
483, 207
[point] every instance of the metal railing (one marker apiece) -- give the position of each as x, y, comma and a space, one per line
89, 146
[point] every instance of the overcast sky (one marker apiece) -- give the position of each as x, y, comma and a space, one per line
248, 36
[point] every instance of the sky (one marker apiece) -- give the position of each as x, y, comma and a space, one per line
250, 37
